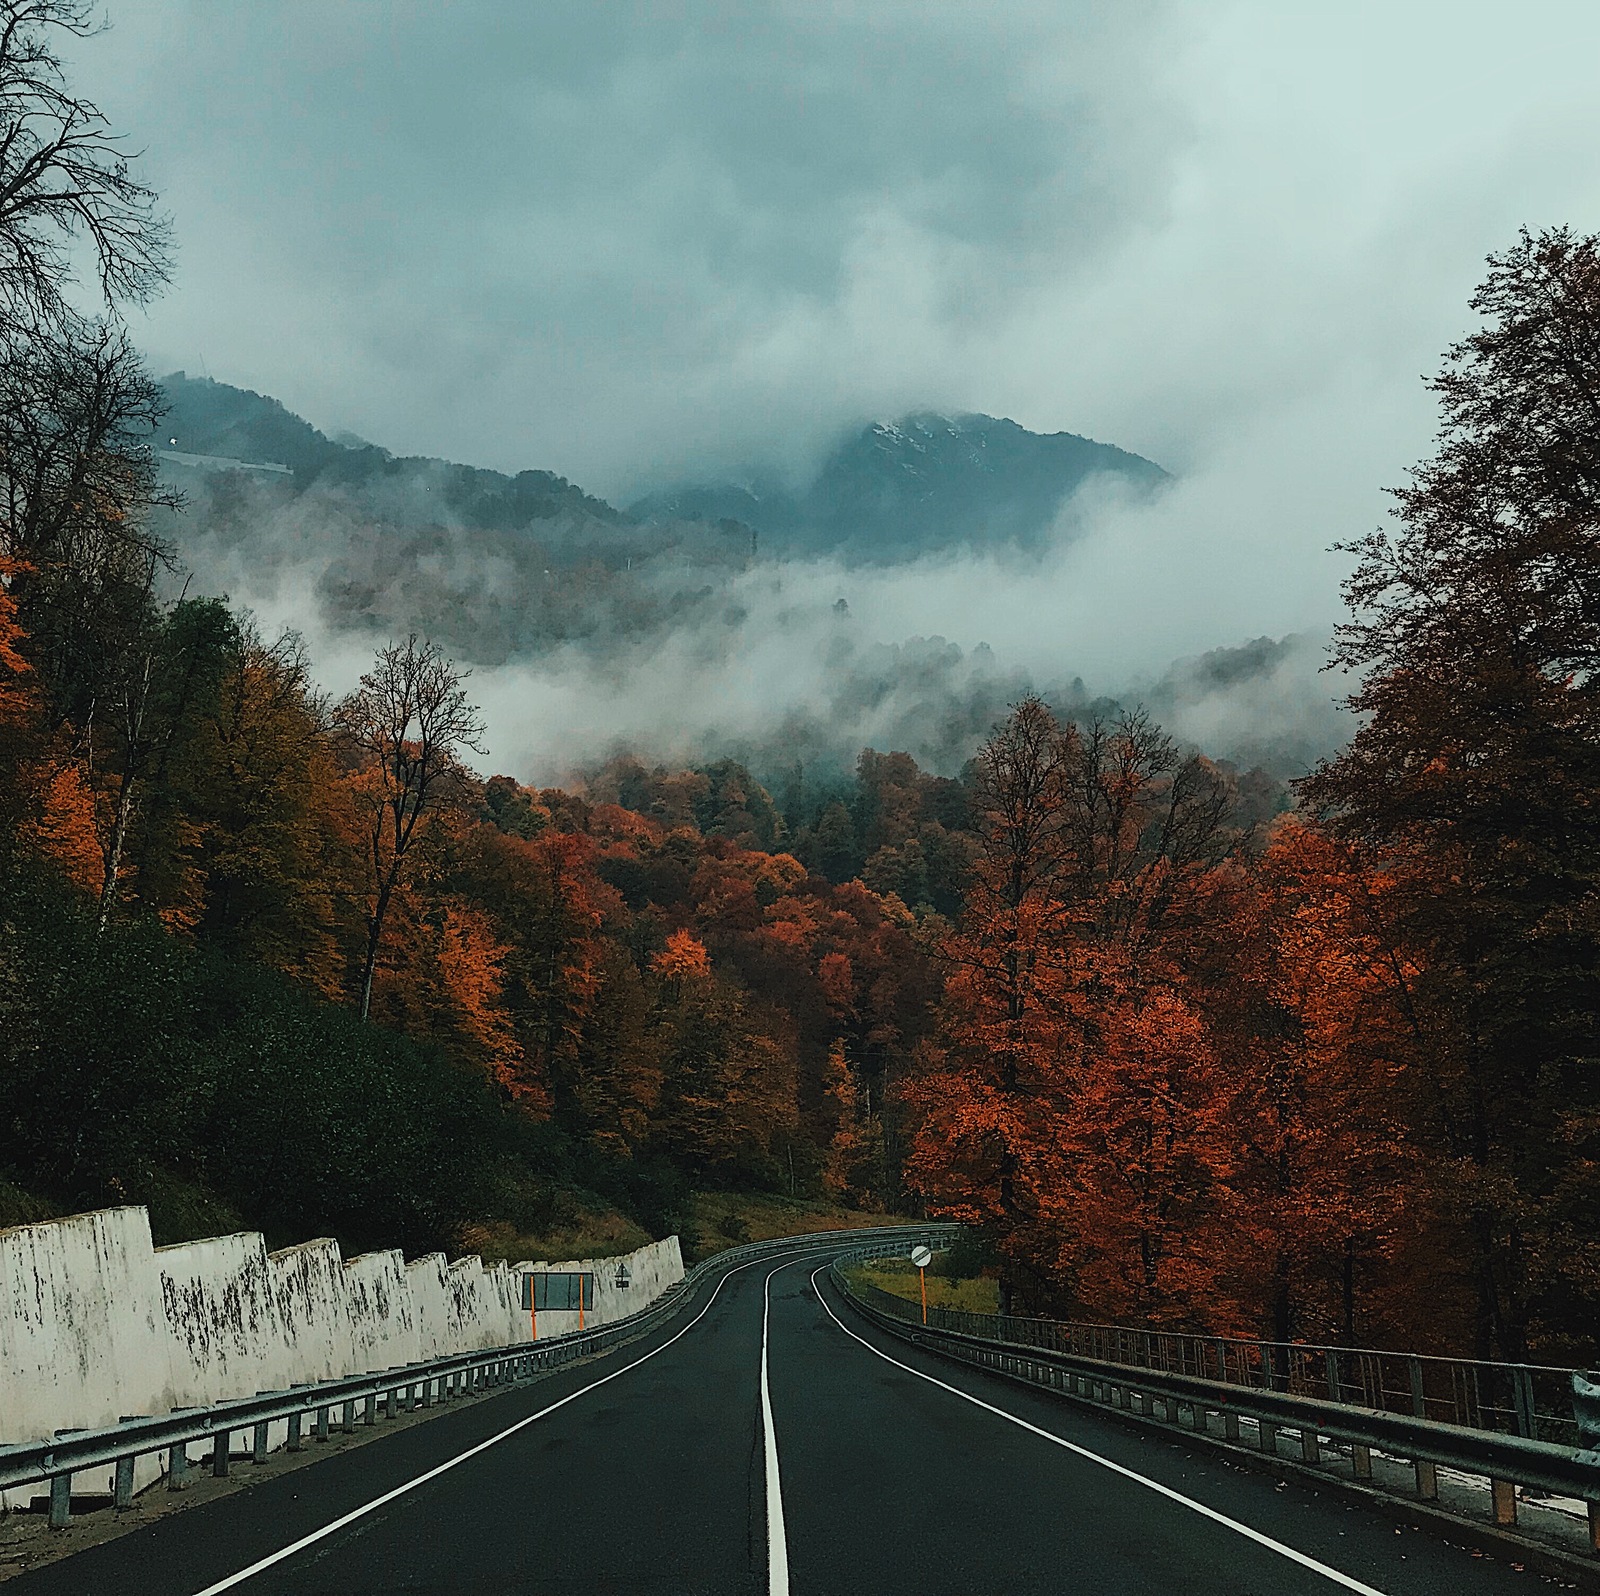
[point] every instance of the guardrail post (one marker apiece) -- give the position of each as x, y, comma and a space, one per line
370, 1416
294, 1443
427, 1392
1269, 1437
1594, 1526
178, 1464
320, 1429
221, 1445
1522, 1400
1503, 1500
61, 1490
1360, 1461
1427, 1481
347, 1418
122, 1477
258, 1444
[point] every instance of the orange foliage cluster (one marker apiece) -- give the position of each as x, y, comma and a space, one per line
1170, 1075
661, 989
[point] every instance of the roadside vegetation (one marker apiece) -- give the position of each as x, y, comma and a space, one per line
898, 1276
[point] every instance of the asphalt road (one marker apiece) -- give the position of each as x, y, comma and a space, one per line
650, 1469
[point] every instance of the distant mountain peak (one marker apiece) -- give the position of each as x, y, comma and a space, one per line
892, 490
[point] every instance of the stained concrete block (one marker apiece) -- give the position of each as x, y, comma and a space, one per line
95, 1322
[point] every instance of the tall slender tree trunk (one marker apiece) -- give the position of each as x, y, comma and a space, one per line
374, 935
113, 856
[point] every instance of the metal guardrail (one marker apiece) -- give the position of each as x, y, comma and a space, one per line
1507, 1460
1527, 1399
338, 1405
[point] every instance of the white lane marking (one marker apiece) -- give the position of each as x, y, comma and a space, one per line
777, 1540
1116, 1468
472, 1451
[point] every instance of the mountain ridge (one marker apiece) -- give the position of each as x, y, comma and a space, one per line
895, 489
886, 492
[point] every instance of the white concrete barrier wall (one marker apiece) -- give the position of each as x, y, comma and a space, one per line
96, 1323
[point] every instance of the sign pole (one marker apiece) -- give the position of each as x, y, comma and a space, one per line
922, 1257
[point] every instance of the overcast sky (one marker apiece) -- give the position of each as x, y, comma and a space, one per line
629, 242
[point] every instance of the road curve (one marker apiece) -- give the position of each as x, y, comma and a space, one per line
768, 1440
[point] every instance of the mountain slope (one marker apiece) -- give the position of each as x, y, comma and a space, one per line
213, 419
896, 490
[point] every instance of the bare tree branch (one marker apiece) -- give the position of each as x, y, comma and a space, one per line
64, 176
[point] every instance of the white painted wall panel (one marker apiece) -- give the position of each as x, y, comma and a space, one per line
95, 1322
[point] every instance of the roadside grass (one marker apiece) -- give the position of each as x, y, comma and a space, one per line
584, 1233
19, 1207
719, 1220
899, 1277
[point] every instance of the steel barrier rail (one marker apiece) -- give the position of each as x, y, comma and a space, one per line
386, 1392
1506, 1461
1528, 1399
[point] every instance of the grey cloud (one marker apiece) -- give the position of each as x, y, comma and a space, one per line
582, 235
634, 243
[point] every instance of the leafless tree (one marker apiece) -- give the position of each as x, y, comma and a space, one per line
1139, 821
77, 411
77, 482
64, 176
408, 723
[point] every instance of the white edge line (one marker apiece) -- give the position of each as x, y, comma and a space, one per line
777, 1538
1167, 1491
482, 1446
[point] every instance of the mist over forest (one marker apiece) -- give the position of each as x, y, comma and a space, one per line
762, 617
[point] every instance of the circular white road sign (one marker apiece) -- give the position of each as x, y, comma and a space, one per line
922, 1256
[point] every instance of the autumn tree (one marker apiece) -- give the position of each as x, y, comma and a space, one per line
1004, 1040
1475, 628
155, 691
407, 727
1302, 997
727, 1071
1138, 1169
